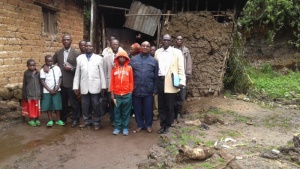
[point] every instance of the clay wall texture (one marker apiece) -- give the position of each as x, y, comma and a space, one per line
209, 42
22, 34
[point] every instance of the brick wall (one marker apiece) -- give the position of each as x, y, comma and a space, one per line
22, 36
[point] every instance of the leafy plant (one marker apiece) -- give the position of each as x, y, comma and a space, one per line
273, 16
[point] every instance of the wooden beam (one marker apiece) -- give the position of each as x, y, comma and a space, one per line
52, 8
113, 7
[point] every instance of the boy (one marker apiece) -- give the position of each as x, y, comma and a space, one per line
51, 82
121, 88
31, 93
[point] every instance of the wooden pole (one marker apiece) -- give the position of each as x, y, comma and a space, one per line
206, 5
182, 6
92, 22
188, 5
158, 35
176, 7
166, 14
197, 4
103, 33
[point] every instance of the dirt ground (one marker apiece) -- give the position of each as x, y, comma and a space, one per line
256, 129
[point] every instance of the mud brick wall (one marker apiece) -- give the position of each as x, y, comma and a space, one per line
22, 34
208, 41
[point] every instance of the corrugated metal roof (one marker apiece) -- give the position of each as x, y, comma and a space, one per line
146, 24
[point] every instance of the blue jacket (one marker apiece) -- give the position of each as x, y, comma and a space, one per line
145, 74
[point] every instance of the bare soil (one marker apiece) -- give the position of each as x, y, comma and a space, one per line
255, 129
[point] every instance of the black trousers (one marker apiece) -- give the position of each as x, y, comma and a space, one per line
166, 102
66, 95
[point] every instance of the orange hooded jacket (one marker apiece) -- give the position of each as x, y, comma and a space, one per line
121, 77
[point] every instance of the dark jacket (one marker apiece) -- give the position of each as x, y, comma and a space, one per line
58, 58
31, 89
145, 74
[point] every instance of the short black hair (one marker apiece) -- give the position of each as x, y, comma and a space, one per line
47, 56
29, 61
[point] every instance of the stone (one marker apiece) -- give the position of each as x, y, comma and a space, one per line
196, 122
17, 94
149, 164
13, 105
241, 97
12, 87
197, 153
5, 94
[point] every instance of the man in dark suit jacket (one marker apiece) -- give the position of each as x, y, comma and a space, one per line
65, 58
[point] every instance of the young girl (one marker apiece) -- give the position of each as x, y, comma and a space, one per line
121, 87
31, 93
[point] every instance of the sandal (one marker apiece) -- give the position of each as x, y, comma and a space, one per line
32, 123
137, 130
37, 122
50, 123
60, 123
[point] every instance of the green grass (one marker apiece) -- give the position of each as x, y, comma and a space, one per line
230, 133
273, 85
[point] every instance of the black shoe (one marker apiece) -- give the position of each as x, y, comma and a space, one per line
85, 125
166, 130
75, 123
161, 130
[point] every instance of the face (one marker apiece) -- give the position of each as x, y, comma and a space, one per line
67, 41
132, 51
114, 45
179, 40
145, 47
121, 60
89, 47
31, 66
82, 46
152, 50
49, 61
166, 41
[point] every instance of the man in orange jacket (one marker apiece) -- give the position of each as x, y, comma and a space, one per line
121, 87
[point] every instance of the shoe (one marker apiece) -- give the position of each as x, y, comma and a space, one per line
161, 130
37, 122
125, 132
50, 123
155, 118
85, 125
96, 128
116, 131
133, 115
137, 130
32, 123
60, 123
166, 130
149, 130
75, 123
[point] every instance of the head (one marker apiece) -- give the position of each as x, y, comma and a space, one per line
179, 41
31, 64
82, 44
114, 45
111, 38
89, 48
48, 60
145, 48
67, 41
122, 58
135, 49
152, 50
166, 41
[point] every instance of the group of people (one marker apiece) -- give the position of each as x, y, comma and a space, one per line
129, 81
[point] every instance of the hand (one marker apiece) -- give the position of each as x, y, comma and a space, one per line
46, 69
112, 96
76, 91
180, 86
52, 92
67, 68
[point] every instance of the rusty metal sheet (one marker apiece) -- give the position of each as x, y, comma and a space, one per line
143, 23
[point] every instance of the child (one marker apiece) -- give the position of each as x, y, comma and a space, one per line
121, 88
31, 93
51, 82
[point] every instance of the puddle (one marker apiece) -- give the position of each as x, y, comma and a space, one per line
24, 138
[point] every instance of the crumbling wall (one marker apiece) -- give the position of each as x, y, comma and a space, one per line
209, 42
22, 36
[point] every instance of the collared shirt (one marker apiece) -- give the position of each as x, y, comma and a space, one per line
88, 56
164, 62
66, 54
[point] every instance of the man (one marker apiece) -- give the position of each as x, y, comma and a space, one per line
145, 73
152, 50
82, 46
65, 58
108, 49
108, 64
89, 76
170, 61
188, 72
